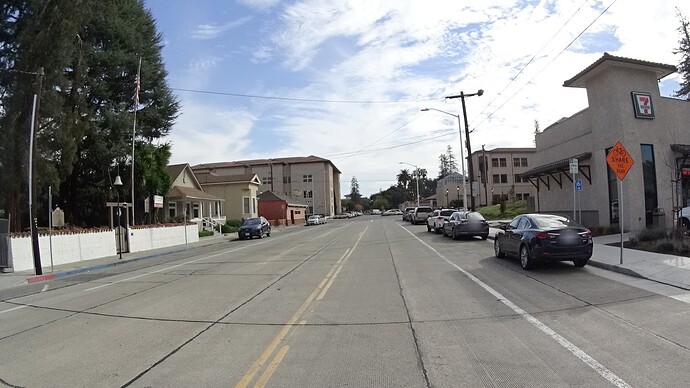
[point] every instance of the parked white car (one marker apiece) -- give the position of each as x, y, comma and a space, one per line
316, 220
435, 221
684, 218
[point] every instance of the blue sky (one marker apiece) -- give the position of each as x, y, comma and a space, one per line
346, 79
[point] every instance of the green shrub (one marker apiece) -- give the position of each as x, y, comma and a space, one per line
503, 211
229, 229
205, 233
233, 223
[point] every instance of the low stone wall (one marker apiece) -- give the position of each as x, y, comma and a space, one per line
79, 245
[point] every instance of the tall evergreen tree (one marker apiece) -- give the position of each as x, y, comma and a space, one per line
452, 161
355, 196
684, 50
90, 51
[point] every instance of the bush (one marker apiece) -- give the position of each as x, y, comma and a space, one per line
233, 223
229, 229
650, 235
510, 210
665, 246
205, 233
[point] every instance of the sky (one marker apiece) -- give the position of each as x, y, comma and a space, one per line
346, 79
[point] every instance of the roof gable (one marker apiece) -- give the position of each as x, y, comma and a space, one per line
607, 60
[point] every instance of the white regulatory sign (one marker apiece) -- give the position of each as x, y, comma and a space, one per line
573, 166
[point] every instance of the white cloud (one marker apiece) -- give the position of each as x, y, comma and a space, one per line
214, 30
387, 50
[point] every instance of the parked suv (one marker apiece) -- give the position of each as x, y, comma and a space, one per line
420, 214
435, 221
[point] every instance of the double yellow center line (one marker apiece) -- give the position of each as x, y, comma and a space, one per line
318, 294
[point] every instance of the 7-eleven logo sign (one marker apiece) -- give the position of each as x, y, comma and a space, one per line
643, 105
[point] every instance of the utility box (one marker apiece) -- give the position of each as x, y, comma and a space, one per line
658, 218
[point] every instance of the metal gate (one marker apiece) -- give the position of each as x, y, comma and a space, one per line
5, 246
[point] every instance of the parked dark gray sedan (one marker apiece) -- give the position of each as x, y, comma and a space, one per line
464, 223
254, 227
538, 238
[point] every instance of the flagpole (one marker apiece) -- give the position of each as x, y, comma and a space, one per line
134, 130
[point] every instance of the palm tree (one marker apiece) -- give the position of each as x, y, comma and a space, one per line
404, 178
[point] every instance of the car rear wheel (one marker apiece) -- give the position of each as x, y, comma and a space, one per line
484, 236
428, 228
497, 249
580, 263
454, 235
268, 234
526, 262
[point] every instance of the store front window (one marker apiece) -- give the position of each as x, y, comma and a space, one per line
649, 180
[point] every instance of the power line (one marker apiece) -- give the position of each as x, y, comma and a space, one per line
534, 56
263, 97
547, 65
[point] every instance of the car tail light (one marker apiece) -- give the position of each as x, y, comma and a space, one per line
541, 235
586, 234
440, 218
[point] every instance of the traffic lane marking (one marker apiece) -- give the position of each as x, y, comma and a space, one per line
268, 351
576, 351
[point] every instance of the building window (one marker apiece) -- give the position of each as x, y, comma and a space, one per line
494, 162
172, 210
245, 205
497, 178
504, 178
523, 161
503, 162
310, 210
287, 179
306, 178
266, 180
517, 179
649, 180
195, 210
516, 162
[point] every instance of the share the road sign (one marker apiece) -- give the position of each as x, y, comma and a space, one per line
619, 160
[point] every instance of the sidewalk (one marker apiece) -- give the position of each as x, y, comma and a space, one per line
666, 269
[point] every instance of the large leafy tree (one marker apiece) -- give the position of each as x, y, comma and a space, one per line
89, 51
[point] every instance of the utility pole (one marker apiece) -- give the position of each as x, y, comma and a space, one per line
32, 211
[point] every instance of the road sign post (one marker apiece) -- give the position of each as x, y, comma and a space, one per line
620, 161
573, 171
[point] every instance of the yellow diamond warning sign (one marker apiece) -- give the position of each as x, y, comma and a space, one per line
619, 160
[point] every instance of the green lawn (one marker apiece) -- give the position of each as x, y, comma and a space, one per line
493, 212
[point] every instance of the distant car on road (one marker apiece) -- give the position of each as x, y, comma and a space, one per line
392, 212
341, 216
465, 223
435, 221
316, 220
254, 227
535, 238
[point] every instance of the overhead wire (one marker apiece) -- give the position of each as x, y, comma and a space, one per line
546, 66
534, 56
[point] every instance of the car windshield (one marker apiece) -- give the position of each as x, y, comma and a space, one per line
544, 221
252, 221
313, 217
475, 216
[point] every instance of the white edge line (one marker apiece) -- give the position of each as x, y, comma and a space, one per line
12, 309
579, 353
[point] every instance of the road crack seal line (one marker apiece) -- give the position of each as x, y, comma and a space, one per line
418, 350
576, 351
218, 321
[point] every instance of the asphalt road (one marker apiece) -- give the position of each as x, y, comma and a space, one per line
370, 301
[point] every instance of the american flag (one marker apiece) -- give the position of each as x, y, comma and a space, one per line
137, 86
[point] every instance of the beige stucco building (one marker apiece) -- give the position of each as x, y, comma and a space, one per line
187, 198
239, 193
624, 105
497, 173
314, 179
